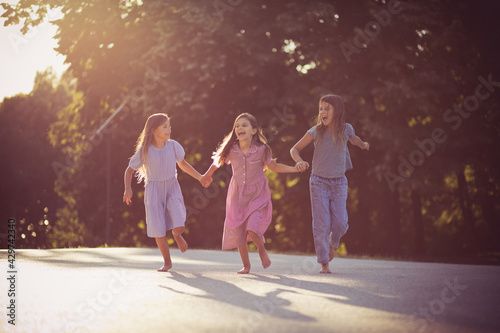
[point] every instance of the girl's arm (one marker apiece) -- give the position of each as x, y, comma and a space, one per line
211, 170
127, 179
295, 151
206, 179
282, 168
355, 140
188, 168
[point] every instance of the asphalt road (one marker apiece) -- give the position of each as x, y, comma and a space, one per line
119, 290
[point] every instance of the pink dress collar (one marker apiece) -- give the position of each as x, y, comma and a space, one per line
236, 148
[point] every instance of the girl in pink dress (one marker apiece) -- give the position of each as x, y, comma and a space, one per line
248, 204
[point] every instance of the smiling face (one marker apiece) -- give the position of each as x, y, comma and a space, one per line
162, 132
243, 129
326, 113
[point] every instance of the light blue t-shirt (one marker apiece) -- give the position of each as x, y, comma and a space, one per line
331, 160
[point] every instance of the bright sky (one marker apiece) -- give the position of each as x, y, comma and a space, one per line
21, 56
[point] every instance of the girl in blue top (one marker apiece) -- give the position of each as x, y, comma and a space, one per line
328, 183
155, 161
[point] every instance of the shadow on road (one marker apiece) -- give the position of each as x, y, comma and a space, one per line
271, 304
334, 292
131, 258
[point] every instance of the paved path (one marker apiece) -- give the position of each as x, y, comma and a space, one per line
118, 290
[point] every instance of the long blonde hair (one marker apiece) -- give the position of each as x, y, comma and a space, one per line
146, 138
338, 118
219, 156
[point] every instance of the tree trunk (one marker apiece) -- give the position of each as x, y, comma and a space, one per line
487, 197
469, 230
394, 245
418, 222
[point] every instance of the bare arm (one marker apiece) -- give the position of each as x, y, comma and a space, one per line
211, 170
355, 140
295, 151
188, 168
281, 168
206, 179
127, 180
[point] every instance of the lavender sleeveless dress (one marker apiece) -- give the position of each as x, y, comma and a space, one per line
163, 198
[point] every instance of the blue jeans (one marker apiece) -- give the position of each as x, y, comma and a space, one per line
329, 213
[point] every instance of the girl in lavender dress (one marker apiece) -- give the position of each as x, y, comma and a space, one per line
248, 204
154, 161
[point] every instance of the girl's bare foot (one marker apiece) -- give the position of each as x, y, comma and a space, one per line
244, 270
165, 267
266, 262
181, 242
331, 253
325, 269
264, 257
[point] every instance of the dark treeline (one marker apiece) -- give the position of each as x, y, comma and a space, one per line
419, 80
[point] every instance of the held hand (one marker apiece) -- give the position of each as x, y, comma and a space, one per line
206, 180
210, 180
365, 146
302, 166
127, 196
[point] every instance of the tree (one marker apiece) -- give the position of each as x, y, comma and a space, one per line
427, 184
28, 192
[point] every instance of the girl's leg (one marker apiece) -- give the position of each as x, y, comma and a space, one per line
338, 210
243, 250
325, 269
264, 257
162, 243
181, 242
331, 252
320, 207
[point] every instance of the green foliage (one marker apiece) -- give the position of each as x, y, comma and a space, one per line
28, 186
205, 64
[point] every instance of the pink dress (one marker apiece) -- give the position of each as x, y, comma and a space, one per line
248, 203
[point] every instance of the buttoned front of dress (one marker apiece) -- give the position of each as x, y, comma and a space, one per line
247, 168
244, 169
248, 197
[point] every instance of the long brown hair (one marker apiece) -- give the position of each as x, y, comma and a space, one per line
224, 147
338, 118
146, 138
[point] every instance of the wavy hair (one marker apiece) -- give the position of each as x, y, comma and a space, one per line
338, 124
219, 156
146, 138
